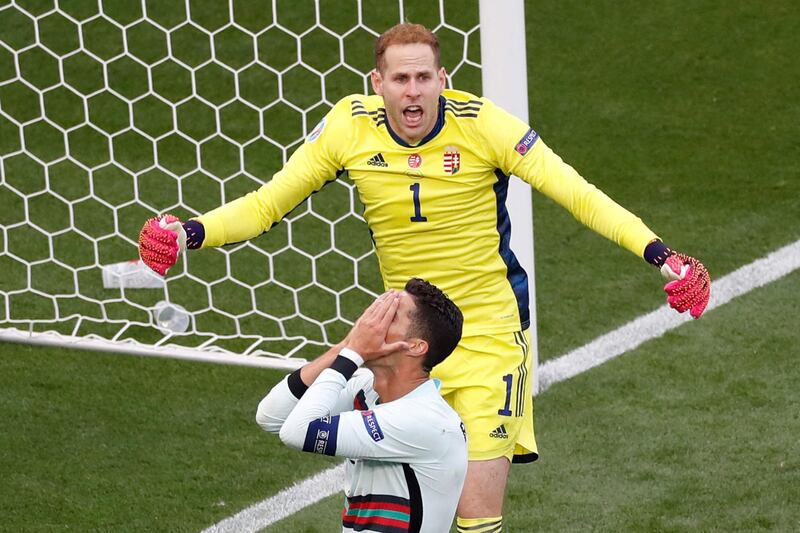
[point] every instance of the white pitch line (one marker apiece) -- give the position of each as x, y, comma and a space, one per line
625, 338
758, 273
285, 503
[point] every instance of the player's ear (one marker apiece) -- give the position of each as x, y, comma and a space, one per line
377, 82
442, 75
418, 347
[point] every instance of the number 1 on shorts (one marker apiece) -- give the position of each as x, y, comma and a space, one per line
505, 411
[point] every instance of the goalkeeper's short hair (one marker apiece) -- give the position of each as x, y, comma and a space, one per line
405, 33
436, 320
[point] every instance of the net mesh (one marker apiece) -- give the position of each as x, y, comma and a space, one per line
112, 112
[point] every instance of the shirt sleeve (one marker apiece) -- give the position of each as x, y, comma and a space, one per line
517, 149
317, 161
274, 408
385, 433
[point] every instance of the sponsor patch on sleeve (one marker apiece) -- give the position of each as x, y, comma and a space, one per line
321, 435
526, 142
316, 132
371, 423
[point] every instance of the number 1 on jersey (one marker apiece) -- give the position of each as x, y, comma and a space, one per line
417, 207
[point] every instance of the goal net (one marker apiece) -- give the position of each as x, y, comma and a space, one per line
112, 112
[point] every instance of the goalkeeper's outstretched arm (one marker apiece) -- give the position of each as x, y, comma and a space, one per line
316, 162
163, 239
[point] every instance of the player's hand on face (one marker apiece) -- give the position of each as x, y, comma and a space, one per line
368, 336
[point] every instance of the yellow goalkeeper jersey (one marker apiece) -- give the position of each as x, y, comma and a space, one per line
436, 210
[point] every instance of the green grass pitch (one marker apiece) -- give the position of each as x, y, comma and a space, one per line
686, 113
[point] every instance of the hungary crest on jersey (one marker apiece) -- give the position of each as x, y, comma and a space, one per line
452, 162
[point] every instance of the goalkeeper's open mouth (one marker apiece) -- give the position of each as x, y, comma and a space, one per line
412, 116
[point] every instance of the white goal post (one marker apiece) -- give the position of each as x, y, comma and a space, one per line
504, 74
114, 112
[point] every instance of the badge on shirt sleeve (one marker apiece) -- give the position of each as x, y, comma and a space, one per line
526, 142
321, 435
316, 132
371, 423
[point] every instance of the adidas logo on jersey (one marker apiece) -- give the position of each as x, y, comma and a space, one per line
500, 432
377, 160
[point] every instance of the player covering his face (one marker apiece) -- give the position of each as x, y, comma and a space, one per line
406, 446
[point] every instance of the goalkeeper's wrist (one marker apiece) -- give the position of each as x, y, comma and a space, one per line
195, 234
656, 252
347, 362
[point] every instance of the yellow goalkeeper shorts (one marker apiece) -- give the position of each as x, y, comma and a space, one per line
488, 381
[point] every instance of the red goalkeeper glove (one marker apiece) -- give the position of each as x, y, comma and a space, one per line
160, 242
688, 285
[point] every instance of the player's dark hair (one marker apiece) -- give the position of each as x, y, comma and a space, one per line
436, 320
405, 33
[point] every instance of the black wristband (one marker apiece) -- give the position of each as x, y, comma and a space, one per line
344, 366
296, 385
195, 234
656, 253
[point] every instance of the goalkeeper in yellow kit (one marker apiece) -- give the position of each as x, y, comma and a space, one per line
432, 169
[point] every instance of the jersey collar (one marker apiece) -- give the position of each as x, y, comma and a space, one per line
428, 387
431, 134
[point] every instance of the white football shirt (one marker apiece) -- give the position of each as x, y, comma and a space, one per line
407, 458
